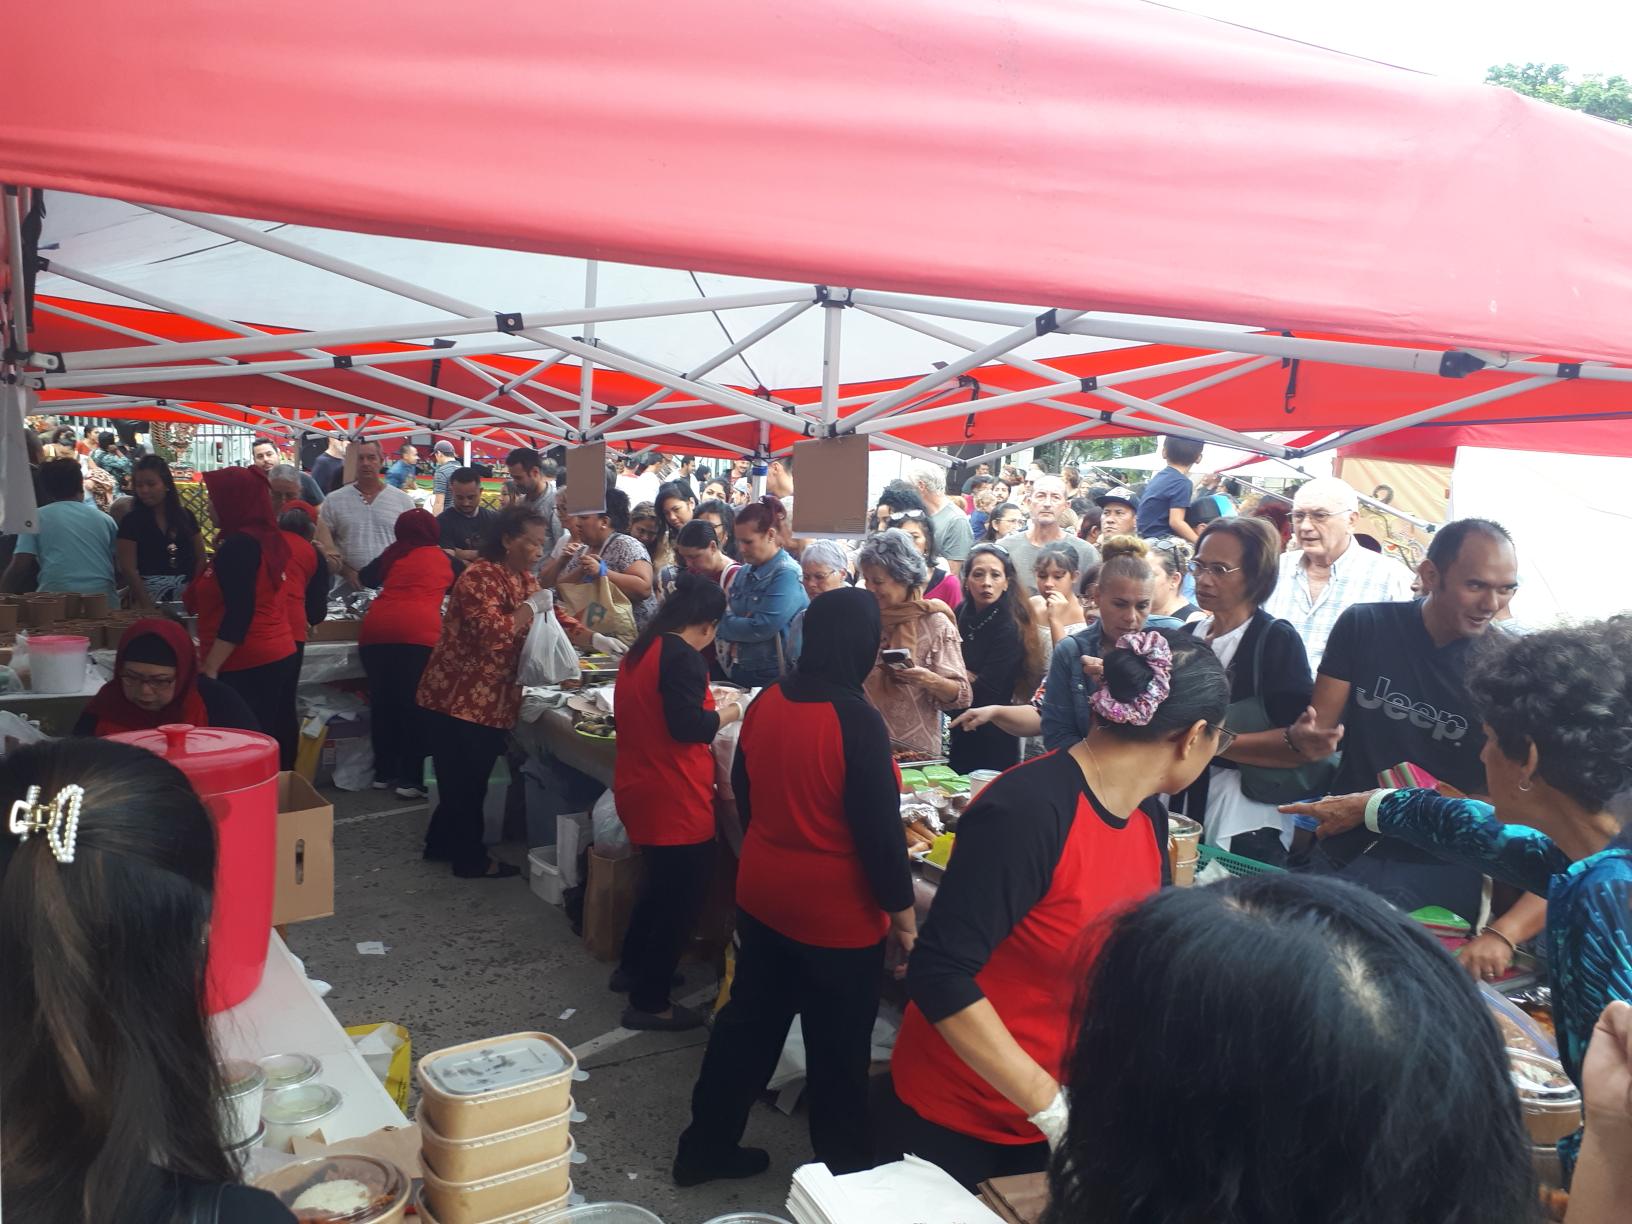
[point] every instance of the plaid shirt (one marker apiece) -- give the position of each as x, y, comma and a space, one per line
1358, 576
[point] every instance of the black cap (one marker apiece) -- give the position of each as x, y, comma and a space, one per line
1121, 493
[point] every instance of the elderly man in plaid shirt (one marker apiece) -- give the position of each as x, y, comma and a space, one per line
1327, 571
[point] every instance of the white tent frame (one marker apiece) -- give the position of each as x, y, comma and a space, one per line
1226, 354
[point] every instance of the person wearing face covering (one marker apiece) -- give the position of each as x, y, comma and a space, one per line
156, 681
243, 627
823, 881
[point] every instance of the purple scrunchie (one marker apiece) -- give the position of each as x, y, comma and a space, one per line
1153, 648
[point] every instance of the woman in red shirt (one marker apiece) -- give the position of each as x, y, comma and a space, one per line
399, 631
469, 693
1048, 849
823, 881
243, 627
664, 788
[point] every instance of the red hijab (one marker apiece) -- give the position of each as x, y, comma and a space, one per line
243, 505
115, 712
415, 529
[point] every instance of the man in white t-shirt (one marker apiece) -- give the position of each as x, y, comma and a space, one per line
358, 521
1328, 572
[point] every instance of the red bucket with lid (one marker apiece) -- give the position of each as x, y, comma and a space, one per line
236, 775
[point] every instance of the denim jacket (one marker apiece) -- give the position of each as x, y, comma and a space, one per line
753, 636
1065, 694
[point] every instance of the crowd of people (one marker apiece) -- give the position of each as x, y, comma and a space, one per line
1117, 655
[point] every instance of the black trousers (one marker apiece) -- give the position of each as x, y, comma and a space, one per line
395, 726
269, 692
971, 1161
671, 897
834, 991
465, 753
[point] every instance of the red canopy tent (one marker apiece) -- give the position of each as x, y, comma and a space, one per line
1410, 248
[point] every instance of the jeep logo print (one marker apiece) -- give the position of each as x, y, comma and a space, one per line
1444, 724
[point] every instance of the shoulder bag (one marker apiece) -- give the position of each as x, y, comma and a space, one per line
1263, 783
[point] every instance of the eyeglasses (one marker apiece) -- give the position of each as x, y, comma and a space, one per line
137, 680
1226, 737
814, 579
1212, 569
1317, 517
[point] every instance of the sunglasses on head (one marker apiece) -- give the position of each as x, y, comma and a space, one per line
905, 515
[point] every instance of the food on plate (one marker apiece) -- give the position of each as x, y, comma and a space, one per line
336, 1198
599, 725
905, 755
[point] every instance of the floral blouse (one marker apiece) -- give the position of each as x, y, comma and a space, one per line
472, 672
911, 714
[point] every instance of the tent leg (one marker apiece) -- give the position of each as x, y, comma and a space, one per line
586, 368
18, 511
832, 336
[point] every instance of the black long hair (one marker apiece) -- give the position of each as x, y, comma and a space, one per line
728, 523
695, 600
1285, 1050
1018, 608
174, 515
672, 490
106, 1058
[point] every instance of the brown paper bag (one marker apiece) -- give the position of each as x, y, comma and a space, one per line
609, 899
599, 607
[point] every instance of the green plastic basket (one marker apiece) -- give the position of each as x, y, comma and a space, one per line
1235, 864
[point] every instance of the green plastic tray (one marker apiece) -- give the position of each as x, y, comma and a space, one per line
1235, 864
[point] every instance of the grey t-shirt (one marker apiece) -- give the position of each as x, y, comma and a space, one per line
1024, 555
953, 539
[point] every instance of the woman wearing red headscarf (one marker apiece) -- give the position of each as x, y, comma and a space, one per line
156, 681
243, 628
306, 581
395, 642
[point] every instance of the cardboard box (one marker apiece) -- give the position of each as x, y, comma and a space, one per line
335, 631
305, 887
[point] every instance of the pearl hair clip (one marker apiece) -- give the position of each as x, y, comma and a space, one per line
58, 820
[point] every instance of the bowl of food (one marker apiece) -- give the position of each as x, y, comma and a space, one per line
1551, 1104
341, 1190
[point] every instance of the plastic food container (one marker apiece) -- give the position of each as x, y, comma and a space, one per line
603, 1213
341, 1190
481, 1088
555, 1209
236, 775
523, 1189
289, 1070
296, 1113
41, 611
243, 1084
57, 662
465, 1160
1519, 1031
238, 1153
1549, 1101
1183, 848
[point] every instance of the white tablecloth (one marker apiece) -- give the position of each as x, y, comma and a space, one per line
286, 1016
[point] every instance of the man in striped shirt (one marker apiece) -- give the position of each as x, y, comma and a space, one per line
1328, 571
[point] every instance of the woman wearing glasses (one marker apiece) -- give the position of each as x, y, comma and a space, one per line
1235, 571
1170, 560
823, 566
1005, 520
156, 681
1046, 851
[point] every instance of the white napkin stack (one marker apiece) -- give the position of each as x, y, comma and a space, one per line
908, 1190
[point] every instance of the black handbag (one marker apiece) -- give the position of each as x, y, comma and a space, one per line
1269, 784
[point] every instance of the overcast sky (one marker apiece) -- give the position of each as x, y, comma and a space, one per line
1451, 38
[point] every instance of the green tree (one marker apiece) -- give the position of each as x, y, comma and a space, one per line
1607, 97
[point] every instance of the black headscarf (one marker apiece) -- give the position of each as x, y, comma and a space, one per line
841, 636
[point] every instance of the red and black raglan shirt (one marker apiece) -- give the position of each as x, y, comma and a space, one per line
1039, 861
663, 782
824, 858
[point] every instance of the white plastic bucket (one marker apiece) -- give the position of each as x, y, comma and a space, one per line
57, 662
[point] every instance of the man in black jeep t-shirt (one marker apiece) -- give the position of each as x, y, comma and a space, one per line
1393, 676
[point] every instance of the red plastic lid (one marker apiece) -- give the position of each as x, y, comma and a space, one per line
215, 759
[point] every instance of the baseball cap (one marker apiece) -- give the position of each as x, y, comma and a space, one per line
444, 447
1121, 493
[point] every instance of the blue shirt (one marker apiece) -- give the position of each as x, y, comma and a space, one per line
1167, 490
74, 547
400, 474
1589, 905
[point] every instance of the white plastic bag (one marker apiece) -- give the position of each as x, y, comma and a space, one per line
353, 764
547, 657
611, 838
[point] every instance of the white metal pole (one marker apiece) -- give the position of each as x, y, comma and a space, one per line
654, 431
14, 257
891, 442
1030, 331
19, 510
511, 384
832, 335
586, 367
467, 450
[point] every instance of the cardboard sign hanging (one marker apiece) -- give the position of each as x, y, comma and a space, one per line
830, 501
586, 479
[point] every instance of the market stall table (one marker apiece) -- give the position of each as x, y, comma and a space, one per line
285, 1015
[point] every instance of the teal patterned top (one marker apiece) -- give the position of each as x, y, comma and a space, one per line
1589, 905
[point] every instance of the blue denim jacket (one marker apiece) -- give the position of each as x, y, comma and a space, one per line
1066, 693
762, 602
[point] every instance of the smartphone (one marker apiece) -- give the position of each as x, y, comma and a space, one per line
897, 658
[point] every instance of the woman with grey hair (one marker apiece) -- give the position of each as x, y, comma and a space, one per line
823, 566
912, 693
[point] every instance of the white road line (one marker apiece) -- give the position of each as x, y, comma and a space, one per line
619, 1035
401, 811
